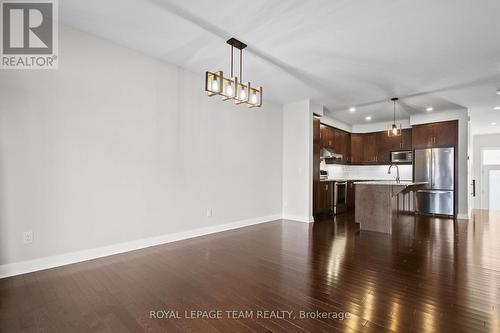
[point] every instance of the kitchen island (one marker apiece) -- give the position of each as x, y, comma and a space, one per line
377, 203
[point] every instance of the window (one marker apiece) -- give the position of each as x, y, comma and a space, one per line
491, 156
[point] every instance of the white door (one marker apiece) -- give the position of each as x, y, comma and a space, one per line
491, 182
490, 165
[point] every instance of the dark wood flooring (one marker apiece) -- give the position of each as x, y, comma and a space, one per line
431, 275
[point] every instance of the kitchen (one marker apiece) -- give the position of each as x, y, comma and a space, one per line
342, 159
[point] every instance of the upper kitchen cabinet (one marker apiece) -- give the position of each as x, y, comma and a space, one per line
337, 141
442, 134
370, 149
356, 148
422, 136
341, 144
446, 134
325, 136
387, 144
406, 139
347, 146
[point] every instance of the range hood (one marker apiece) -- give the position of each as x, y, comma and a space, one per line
326, 153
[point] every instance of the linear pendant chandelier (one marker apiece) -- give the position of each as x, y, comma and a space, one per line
393, 129
232, 87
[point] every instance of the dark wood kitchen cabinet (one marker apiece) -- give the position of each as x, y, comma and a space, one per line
325, 197
406, 138
337, 141
442, 134
356, 148
422, 136
316, 163
324, 135
363, 148
376, 147
446, 134
387, 144
341, 144
370, 149
350, 195
327, 137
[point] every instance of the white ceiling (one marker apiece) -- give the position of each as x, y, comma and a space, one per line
341, 53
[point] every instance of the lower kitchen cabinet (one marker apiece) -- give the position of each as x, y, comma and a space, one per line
350, 195
325, 196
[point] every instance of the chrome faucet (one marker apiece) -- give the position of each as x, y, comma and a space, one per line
398, 180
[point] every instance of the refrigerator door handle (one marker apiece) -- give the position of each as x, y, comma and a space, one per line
433, 168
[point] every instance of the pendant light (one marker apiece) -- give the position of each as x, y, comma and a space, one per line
393, 129
233, 87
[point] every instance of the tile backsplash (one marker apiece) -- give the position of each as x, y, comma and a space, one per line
366, 172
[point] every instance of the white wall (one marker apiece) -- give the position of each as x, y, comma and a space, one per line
462, 151
297, 161
378, 127
116, 146
479, 143
336, 123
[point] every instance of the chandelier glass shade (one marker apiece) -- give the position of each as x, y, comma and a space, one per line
233, 87
213, 83
393, 129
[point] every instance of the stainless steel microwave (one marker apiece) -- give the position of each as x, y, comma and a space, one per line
403, 156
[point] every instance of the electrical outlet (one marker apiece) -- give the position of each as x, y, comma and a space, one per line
28, 237
209, 212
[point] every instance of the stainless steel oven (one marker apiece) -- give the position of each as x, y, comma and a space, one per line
403, 156
339, 197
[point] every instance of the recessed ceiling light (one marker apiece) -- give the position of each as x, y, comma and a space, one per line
368, 118
496, 108
352, 109
429, 109
498, 91
493, 124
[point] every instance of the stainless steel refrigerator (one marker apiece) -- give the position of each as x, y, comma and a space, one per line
437, 167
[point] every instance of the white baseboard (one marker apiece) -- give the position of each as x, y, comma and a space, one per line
74, 257
298, 218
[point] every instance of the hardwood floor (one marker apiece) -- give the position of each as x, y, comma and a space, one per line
431, 275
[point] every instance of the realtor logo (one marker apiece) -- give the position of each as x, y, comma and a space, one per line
29, 34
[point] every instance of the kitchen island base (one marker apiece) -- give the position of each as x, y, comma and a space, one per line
377, 203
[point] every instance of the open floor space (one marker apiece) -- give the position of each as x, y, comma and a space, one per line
430, 275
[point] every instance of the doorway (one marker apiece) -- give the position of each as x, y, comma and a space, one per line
490, 179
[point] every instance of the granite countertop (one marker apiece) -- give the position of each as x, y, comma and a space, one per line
391, 182
360, 180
